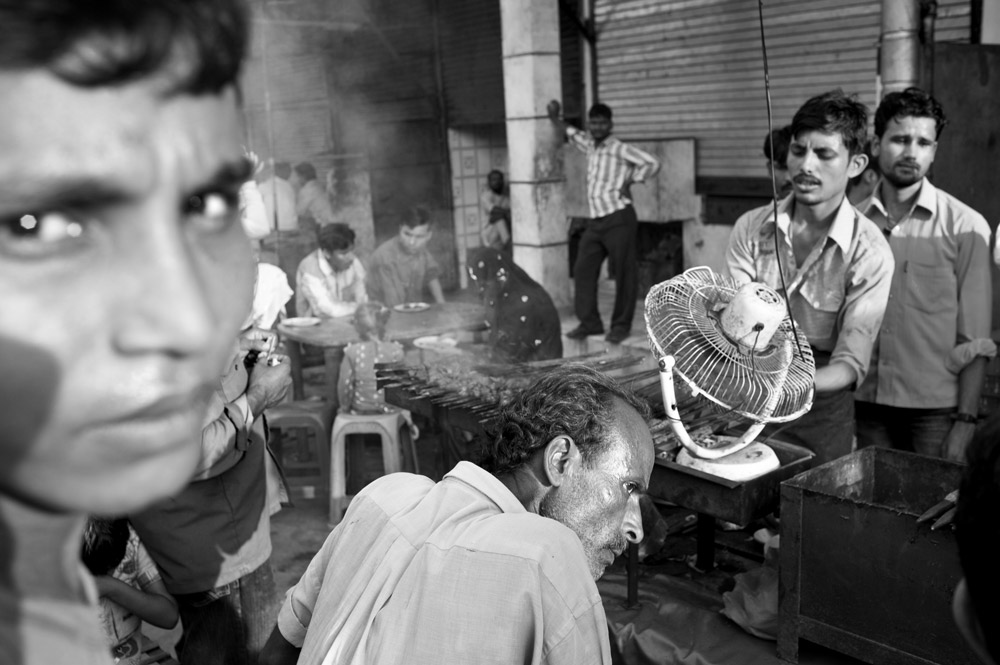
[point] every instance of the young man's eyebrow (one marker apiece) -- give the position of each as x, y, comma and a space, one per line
63, 192
229, 175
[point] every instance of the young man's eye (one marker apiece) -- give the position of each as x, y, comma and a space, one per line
38, 229
218, 208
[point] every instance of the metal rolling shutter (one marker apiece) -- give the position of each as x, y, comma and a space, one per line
471, 61
693, 68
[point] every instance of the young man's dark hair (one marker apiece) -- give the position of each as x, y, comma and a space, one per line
781, 138
417, 216
335, 237
910, 102
835, 113
283, 170
977, 530
306, 171
198, 47
600, 110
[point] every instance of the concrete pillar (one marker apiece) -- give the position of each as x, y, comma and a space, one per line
532, 78
900, 38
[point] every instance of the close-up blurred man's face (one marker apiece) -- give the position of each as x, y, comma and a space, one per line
124, 277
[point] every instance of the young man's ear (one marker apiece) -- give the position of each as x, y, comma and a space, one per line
857, 165
561, 459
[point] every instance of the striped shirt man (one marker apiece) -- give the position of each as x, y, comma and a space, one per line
609, 165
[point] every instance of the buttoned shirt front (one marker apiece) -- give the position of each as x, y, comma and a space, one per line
323, 291
608, 165
941, 297
450, 572
838, 294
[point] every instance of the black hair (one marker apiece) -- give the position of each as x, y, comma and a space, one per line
573, 400
197, 45
781, 138
418, 216
600, 110
977, 527
335, 237
104, 544
283, 170
910, 102
306, 171
836, 113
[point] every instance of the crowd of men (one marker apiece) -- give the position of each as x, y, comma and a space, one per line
127, 385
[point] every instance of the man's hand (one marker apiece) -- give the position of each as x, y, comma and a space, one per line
259, 340
625, 191
555, 111
958, 439
270, 379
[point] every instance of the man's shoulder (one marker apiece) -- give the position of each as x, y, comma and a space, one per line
755, 217
383, 252
310, 262
965, 216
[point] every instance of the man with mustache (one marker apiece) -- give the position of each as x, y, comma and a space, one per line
493, 564
124, 278
829, 261
922, 391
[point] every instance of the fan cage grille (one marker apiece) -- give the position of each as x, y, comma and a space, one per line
771, 385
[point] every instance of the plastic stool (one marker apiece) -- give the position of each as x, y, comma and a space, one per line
394, 430
315, 416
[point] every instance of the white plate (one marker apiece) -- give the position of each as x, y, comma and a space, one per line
300, 321
411, 307
436, 343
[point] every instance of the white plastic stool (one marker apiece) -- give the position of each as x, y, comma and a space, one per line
395, 432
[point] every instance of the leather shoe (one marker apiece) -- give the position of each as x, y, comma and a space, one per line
617, 336
580, 332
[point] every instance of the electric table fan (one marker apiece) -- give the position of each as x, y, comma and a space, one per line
739, 356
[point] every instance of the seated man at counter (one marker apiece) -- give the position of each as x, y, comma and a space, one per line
331, 280
490, 565
829, 261
977, 523
401, 268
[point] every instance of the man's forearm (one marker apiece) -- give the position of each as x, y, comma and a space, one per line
835, 376
970, 385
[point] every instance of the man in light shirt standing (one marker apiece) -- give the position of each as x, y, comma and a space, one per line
612, 168
831, 264
922, 391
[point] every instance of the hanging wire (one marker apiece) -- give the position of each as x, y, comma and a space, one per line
774, 183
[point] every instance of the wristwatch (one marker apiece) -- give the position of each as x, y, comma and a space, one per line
965, 418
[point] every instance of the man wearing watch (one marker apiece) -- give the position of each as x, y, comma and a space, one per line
922, 391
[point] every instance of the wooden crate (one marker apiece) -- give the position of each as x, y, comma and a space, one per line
858, 574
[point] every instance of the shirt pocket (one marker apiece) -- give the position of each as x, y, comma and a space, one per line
819, 309
931, 289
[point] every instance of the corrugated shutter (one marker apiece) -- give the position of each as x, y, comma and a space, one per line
471, 61
954, 21
693, 68
300, 111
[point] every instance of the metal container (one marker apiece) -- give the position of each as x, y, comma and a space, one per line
858, 574
739, 502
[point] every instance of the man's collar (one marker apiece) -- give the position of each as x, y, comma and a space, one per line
488, 484
841, 230
926, 199
324, 265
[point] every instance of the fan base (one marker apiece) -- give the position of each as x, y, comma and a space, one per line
750, 462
